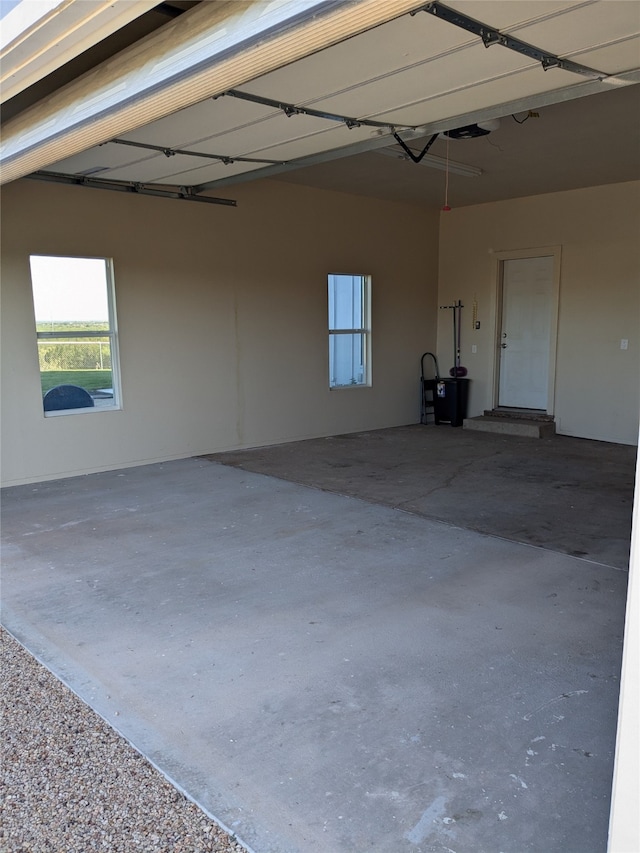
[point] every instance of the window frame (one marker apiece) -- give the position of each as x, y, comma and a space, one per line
364, 330
111, 334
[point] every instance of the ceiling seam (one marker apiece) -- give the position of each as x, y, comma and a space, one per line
550, 16
466, 87
606, 44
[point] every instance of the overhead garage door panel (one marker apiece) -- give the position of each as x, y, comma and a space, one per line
591, 25
405, 46
108, 156
431, 79
120, 162
276, 137
211, 170
245, 141
290, 150
155, 168
507, 14
613, 59
205, 120
412, 71
333, 137
474, 98
398, 45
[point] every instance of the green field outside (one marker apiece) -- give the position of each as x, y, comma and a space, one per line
90, 380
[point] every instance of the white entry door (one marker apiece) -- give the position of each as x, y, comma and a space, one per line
525, 336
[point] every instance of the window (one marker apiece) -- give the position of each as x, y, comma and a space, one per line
349, 330
76, 331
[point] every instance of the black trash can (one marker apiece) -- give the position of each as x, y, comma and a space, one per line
450, 401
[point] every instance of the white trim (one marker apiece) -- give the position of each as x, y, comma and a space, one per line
88, 410
113, 336
115, 402
39, 37
364, 331
624, 822
24, 19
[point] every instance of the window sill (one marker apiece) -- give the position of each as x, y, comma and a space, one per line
349, 387
88, 410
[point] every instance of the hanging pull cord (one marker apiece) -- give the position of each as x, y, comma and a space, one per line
446, 182
415, 157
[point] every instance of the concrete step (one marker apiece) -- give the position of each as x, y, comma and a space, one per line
519, 414
528, 427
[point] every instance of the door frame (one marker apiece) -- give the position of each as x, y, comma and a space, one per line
498, 282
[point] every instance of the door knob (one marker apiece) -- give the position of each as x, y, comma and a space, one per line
504, 334
503, 346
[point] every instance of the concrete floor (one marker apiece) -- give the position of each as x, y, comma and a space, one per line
329, 673
562, 493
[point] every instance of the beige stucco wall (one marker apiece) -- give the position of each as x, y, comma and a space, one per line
597, 393
222, 319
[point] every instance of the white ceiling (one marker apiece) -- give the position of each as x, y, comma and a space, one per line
416, 71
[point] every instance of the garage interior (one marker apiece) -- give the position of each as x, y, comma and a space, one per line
321, 669
431, 618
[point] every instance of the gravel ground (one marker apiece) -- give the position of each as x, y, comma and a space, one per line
71, 784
